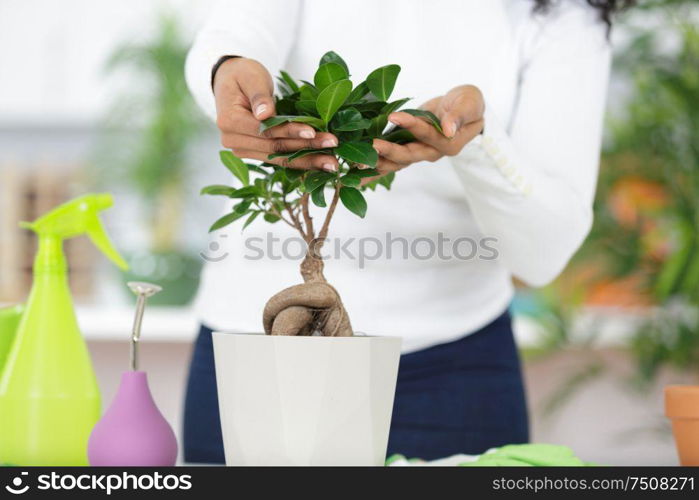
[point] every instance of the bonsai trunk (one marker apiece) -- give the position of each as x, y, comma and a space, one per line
313, 306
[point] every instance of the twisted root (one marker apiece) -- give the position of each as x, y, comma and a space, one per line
306, 308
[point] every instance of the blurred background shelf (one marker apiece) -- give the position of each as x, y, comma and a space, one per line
180, 325
160, 324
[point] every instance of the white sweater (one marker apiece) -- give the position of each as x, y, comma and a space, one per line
526, 184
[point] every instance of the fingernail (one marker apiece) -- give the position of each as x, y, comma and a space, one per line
454, 128
362, 166
260, 109
394, 121
329, 167
329, 143
307, 134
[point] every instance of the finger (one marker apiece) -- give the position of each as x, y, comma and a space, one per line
276, 145
298, 130
287, 131
256, 85
238, 119
465, 135
460, 106
406, 154
386, 166
309, 162
422, 130
432, 104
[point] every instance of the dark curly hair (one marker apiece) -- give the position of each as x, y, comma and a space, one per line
606, 8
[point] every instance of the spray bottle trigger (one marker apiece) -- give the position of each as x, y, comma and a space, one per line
99, 238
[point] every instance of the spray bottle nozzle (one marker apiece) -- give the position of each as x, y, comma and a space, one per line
76, 217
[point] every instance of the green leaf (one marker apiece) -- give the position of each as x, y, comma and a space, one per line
358, 93
393, 106
225, 220
308, 92
378, 124
283, 154
354, 135
285, 106
387, 180
370, 109
350, 180
279, 119
351, 126
353, 200
277, 176
427, 115
316, 179
347, 115
217, 190
242, 207
245, 192
261, 185
331, 98
236, 166
289, 81
258, 169
306, 106
362, 173
358, 152
329, 73
382, 80
271, 218
293, 174
284, 88
252, 217
347, 120
318, 197
292, 155
399, 136
332, 57
371, 185
305, 152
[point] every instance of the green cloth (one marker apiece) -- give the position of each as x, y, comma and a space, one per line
532, 455
512, 455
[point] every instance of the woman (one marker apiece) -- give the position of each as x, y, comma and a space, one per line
516, 175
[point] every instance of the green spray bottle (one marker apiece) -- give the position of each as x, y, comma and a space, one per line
49, 398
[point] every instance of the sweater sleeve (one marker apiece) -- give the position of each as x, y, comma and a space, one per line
263, 30
530, 183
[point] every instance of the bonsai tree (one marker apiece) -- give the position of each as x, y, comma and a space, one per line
356, 115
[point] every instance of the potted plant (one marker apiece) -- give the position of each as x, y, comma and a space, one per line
682, 408
309, 392
154, 162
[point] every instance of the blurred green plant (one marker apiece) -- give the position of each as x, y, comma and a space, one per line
146, 146
654, 233
643, 249
154, 161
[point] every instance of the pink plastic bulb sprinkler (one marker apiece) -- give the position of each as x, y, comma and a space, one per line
133, 432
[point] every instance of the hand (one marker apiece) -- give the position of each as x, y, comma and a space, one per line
460, 112
243, 90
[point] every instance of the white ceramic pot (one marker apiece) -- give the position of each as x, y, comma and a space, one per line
305, 400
